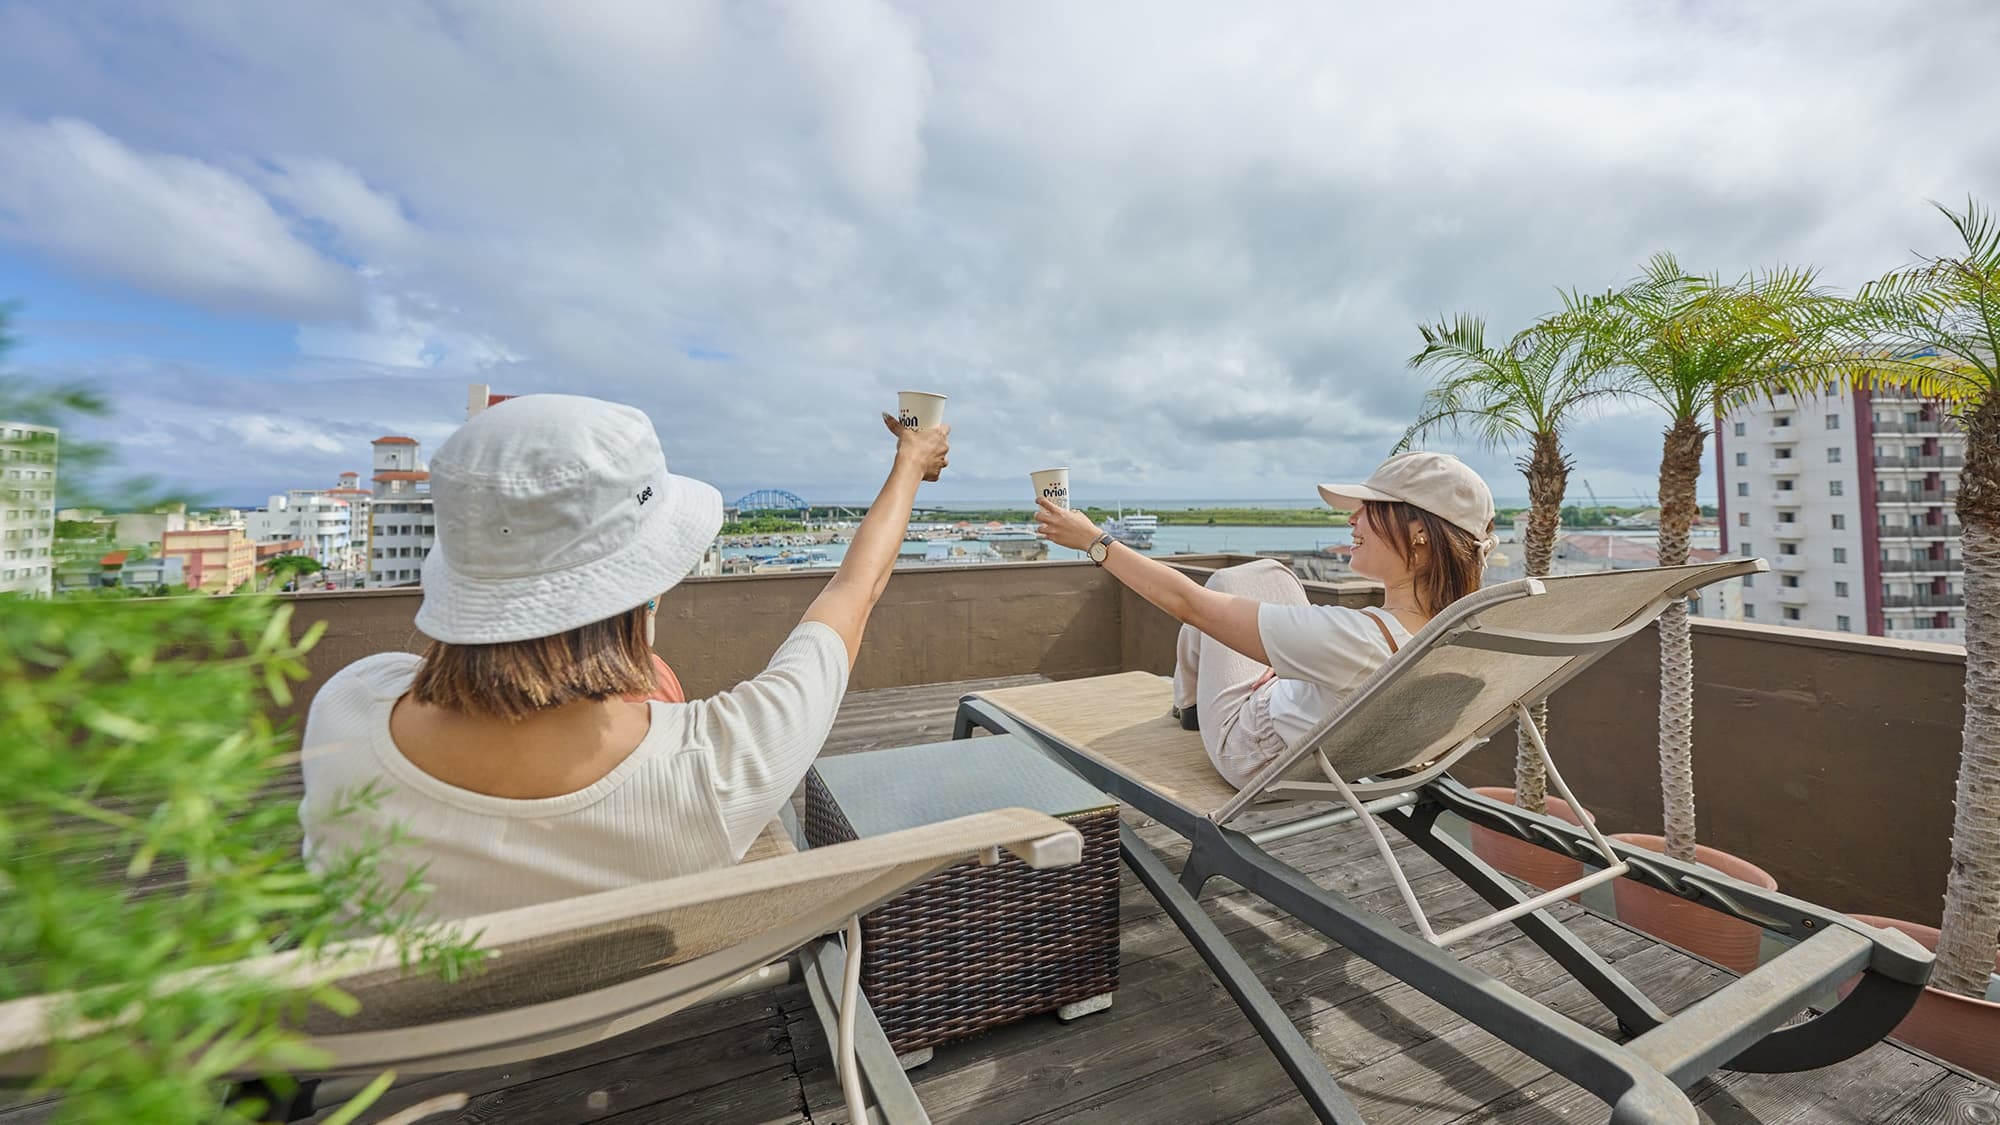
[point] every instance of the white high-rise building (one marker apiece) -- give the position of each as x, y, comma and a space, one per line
402, 528
27, 508
324, 522
1851, 498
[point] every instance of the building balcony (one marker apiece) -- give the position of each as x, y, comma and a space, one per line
1920, 461
1929, 497
1925, 600
1781, 434
1791, 595
1923, 566
1928, 635
1934, 427
1787, 497
1789, 564
1786, 465
1786, 530
1923, 532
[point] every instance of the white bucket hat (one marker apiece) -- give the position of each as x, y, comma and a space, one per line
554, 511
1439, 483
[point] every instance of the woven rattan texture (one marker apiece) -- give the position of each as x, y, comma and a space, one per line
976, 947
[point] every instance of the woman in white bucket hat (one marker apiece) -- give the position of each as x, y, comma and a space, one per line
512, 753
1256, 667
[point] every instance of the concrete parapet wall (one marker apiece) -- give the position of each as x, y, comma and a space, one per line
1827, 758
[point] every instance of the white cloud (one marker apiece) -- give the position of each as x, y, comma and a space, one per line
1180, 246
175, 226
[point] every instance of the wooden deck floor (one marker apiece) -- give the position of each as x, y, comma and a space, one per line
1174, 1047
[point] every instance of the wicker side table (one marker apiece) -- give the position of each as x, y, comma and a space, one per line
976, 947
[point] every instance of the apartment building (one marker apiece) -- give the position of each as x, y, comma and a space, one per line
27, 508
216, 560
402, 528
1851, 499
325, 523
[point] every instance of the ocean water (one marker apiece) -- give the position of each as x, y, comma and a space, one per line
1197, 540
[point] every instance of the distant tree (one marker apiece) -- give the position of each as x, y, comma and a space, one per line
289, 568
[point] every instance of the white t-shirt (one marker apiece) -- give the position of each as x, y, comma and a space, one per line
692, 796
1321, 654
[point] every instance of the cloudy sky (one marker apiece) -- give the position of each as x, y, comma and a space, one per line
1180, 247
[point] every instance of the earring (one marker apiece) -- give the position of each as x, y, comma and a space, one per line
652, 611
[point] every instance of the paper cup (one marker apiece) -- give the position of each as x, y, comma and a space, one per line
920, 410
1052, 484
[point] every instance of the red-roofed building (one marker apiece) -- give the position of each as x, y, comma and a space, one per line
478, 396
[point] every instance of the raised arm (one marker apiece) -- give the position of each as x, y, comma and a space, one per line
1226, 617
864, 573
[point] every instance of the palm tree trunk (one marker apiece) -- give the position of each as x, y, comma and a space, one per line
1972, 888
1547, 471
1680, 470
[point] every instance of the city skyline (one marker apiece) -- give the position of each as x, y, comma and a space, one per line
1180, 251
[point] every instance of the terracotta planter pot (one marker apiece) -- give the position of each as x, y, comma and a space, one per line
1955, 1028
1517, 857
1726, 941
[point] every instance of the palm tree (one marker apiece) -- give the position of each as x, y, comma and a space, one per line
1934, 326
1695, 346
1522, 391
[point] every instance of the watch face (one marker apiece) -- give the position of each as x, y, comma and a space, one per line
1099, 552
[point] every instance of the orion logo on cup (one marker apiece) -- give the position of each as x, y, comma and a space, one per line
909, 420
1057, 492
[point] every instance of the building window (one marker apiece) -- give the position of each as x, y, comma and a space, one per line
1749, 581
1785, 549
1788, 517
1739, 429
1833, 488
1839, 522
1742, 459
1782, 420
1742, 488
1784, 453
1791, 613
1840, 589
1749, 612
1743, 519
1843, 624
1746, 550
1833, 455
1833, 421
1789, 581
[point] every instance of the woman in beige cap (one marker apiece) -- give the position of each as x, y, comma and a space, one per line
517, 755
1259, 666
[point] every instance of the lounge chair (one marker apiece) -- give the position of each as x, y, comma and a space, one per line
566, 974
1473, 671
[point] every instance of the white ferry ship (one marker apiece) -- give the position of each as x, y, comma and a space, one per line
1135, 531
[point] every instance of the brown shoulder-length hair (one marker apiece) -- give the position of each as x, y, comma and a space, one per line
514, 679
1444, 570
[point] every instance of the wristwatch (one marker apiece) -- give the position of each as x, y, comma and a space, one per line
1100, 549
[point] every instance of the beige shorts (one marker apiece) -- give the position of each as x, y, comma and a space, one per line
1252, 741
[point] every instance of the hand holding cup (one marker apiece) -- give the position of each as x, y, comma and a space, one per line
921, 410
927, 451
1063, 526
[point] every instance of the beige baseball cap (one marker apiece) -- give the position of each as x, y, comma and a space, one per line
1438, 483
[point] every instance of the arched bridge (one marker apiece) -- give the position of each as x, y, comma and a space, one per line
770, 500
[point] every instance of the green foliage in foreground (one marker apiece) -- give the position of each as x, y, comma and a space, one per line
138, 846
762, 525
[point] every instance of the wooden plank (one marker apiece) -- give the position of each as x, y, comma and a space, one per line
1954, 1099
769, 1097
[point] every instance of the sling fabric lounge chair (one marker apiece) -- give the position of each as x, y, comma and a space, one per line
567, 974
1382, 760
